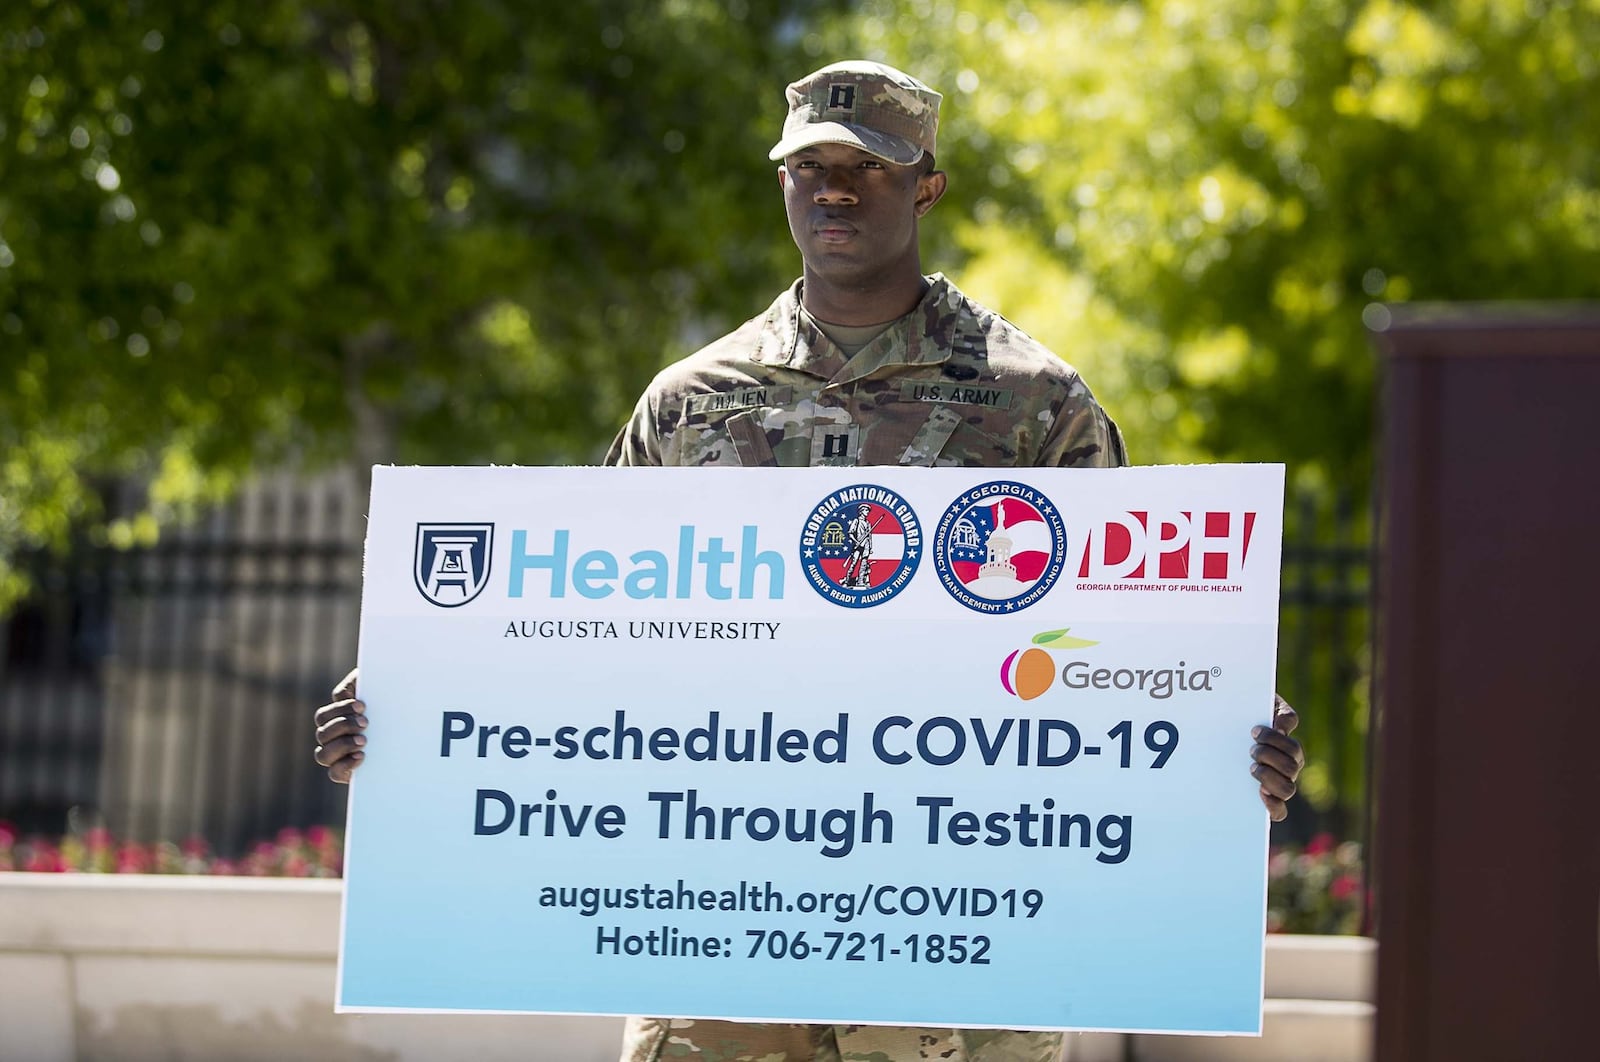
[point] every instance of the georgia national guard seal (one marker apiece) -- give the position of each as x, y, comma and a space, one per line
860, 545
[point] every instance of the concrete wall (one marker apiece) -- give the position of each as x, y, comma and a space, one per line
217, 969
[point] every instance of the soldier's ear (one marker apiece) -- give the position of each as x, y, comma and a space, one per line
930, 189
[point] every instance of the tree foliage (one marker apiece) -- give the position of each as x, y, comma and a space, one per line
1195, 201
234, 233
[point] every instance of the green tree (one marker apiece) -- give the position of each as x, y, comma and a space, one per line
238, 233
1197, 200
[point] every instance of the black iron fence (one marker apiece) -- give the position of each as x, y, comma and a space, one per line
167, 692
1325, 642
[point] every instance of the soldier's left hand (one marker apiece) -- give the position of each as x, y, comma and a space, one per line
1278, 759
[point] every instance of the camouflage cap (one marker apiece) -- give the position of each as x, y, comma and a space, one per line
867, 105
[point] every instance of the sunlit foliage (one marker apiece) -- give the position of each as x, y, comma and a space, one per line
240, 232
1194, 200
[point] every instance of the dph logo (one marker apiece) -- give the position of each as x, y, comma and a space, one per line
1175, 545
451, 562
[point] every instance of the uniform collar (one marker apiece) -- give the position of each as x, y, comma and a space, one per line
924, 336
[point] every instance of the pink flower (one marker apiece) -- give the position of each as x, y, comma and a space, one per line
97, 839
132, 859
8, 835
45, 859
1321, 844
289, 837
196, 847
1344, 886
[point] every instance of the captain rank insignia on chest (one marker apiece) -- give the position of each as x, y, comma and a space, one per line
835, 444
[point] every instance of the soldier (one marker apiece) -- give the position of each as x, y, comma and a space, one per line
864, 360
858, 567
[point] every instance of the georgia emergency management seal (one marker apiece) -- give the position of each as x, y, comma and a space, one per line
860, 546
1000, 547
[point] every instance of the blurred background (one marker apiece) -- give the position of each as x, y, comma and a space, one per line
249, 249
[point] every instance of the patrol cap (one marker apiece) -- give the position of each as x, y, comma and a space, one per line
867, 105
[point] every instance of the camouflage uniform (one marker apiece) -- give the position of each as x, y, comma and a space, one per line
951, 383
665, 1039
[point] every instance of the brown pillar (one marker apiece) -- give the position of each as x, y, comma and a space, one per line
1488, 815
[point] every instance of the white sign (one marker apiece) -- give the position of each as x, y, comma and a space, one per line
870, 745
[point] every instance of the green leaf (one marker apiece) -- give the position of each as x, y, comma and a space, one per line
1059, 640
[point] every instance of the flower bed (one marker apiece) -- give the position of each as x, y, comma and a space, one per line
1315, 889
316, 852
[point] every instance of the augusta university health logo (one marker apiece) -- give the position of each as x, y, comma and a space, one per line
451, 562
999, 547
860, 546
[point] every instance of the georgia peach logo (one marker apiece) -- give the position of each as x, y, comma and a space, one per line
1027, 673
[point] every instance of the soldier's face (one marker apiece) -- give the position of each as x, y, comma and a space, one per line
853, 215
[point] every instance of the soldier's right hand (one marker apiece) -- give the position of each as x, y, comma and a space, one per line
339, 731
